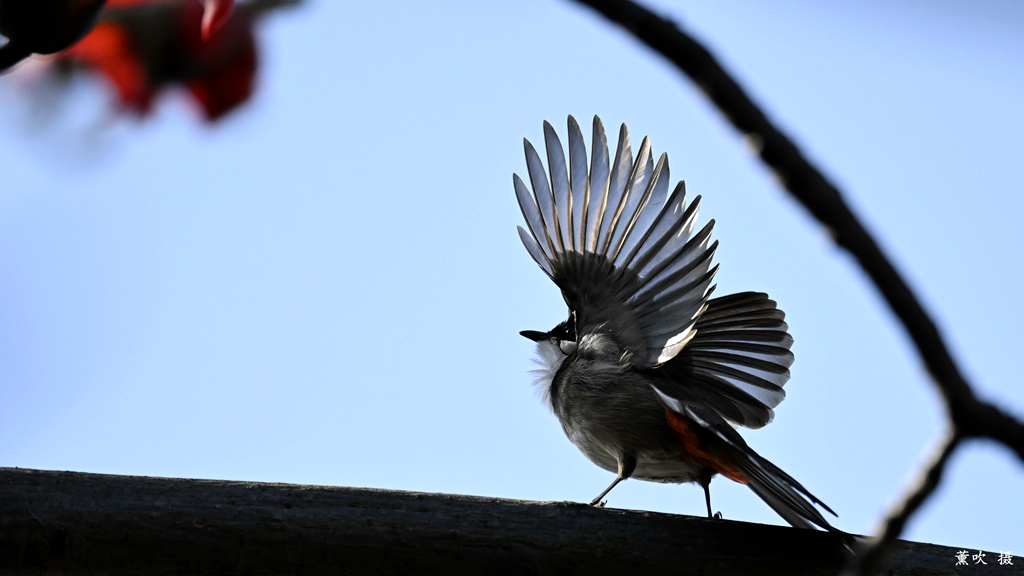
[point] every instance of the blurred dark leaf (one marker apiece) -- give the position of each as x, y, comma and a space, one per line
43, 26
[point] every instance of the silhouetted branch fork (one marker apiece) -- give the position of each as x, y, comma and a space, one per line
76, 523
810, 187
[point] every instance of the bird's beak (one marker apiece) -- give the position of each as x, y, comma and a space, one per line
534, 335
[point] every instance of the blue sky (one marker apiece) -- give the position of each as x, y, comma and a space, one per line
327, 288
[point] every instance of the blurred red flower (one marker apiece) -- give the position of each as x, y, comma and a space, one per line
145, 46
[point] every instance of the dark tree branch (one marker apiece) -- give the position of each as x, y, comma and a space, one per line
75, 523
969, 415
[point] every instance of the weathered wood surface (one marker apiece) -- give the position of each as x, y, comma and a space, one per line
77, 523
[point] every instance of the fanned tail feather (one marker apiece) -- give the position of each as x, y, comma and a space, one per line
779, 490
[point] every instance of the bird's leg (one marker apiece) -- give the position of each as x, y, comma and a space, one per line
627, 465
705, 482
597, 501
707, 498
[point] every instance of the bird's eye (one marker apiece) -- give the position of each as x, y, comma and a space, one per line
567, 346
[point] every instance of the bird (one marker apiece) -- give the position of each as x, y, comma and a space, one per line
649, 376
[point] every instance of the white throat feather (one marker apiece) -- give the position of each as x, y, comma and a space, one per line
549, 359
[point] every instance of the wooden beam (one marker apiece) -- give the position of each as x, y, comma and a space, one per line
77, 523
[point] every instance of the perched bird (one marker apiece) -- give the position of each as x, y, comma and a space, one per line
648, 376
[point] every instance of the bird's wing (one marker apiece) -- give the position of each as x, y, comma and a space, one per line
737, 362
779, 490
616, 243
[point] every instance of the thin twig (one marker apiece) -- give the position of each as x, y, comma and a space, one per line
871, 558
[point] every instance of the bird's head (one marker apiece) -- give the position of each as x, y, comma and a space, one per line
562, 336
